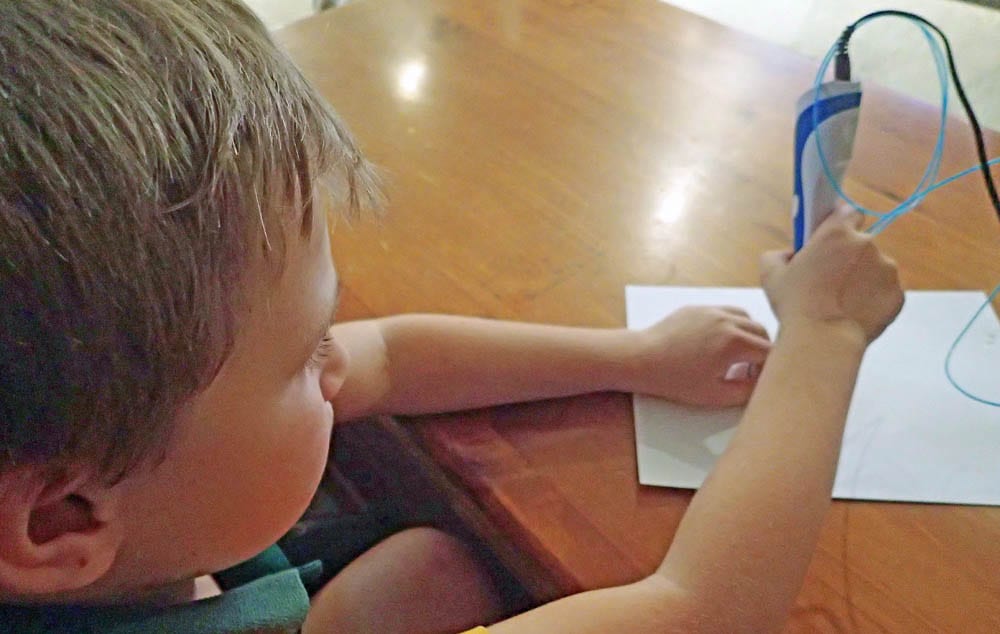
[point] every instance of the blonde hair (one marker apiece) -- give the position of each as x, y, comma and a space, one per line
149, 150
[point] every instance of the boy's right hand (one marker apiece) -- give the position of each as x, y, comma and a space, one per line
838, 279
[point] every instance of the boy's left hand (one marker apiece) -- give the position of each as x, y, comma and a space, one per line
686, 356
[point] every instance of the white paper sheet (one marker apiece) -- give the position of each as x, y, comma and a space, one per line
910, 435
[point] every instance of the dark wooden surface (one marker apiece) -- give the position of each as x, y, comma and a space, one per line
542, 154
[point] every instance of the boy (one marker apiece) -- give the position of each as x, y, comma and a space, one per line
170, 377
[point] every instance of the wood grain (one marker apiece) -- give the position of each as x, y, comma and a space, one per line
542, 154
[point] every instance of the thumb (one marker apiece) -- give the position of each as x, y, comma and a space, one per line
735, 393
773, 261
847, 215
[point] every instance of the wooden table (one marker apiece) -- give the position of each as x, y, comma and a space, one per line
542, 154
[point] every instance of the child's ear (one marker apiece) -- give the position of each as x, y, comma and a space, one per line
56, 535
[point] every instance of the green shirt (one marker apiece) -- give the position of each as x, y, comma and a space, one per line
264, 594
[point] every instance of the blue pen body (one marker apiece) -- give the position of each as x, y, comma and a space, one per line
832, 118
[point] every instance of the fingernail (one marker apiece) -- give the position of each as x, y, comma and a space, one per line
738, 371
743, 371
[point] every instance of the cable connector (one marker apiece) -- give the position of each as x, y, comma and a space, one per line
842, 67
842, 63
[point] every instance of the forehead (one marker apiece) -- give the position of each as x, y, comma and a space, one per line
286, 306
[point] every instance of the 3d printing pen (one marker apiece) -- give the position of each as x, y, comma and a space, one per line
830, 115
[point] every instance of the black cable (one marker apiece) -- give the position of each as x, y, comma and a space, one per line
842, 71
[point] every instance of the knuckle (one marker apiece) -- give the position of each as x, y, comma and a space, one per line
731, 336
713, 314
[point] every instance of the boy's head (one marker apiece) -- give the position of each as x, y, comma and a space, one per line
164, 279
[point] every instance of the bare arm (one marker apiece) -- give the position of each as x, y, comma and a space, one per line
739, 555
742, 549
747, 538
431, 363
414, 364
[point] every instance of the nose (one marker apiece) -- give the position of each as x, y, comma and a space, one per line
334, 371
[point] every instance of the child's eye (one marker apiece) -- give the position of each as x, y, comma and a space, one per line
322, 352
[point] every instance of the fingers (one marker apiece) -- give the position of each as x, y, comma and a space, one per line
743, 371
734, 315
734, 393
741, 376
742, 320
748, 325
755, 349
773, 261
849, 215
745, 322
746, 346
843, 217
734, 310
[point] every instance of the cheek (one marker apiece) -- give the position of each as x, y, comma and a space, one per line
294, 452
234, 480
275, 459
